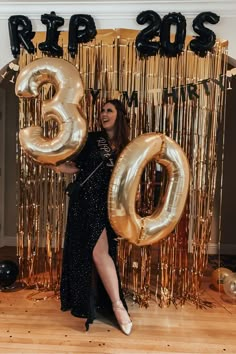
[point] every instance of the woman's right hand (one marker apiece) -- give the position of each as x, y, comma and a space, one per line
65, 167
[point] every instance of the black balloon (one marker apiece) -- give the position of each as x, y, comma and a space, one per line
8, 273
206, 39
168, 48
20, 32
84, 35
143, 42
131, 99
50, 46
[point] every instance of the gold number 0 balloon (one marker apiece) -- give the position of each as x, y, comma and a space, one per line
124, 184
63, 108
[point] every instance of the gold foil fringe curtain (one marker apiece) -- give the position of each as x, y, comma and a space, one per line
172, 270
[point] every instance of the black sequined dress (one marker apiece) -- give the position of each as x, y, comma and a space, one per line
81, 289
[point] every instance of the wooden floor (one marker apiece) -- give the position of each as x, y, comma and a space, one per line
31, 324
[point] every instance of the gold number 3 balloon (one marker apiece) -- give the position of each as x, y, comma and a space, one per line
63, 108
124, 184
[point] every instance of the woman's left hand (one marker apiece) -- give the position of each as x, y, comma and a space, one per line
65, 167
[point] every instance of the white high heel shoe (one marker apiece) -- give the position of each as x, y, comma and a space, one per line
126, 327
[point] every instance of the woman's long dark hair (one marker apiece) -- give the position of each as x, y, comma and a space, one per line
121, 136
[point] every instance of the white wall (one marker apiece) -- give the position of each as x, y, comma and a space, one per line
117, 14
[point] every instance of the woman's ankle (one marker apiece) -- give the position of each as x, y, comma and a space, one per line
117, 304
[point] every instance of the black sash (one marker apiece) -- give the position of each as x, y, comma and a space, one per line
106, 154
105, 150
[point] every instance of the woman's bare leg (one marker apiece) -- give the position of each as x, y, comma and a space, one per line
107, 272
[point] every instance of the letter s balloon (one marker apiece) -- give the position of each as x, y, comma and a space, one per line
124, 183
62, 108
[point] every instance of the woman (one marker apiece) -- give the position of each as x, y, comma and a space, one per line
90, 278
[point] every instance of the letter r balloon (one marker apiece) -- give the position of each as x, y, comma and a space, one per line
124, 183
63, 108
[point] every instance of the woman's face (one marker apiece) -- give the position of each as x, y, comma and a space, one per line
108, 116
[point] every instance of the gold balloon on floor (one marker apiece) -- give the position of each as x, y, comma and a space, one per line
219, 277
62, 108
230, 286
124, 185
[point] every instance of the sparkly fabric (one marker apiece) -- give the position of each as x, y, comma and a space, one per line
81, 289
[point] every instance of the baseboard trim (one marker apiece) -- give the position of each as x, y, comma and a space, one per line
227, 248
213, 248
222, 248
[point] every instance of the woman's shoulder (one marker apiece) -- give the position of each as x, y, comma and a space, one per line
87, 147
93, 136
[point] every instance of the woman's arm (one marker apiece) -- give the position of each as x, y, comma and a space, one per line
66, 167
71, 166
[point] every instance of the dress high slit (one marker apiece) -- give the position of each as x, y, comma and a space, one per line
81, 290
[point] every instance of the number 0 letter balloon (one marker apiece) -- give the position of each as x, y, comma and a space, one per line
124, 184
